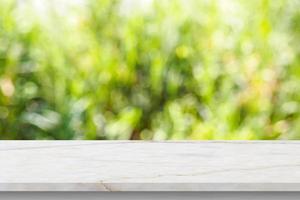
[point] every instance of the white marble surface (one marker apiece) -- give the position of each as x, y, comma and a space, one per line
149, 166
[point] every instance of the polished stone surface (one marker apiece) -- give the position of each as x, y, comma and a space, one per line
149, 166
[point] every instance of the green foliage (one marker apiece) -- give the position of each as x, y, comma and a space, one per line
169, 70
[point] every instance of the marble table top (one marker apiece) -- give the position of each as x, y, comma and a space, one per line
149, 166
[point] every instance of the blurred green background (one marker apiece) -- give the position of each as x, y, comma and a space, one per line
151, 70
